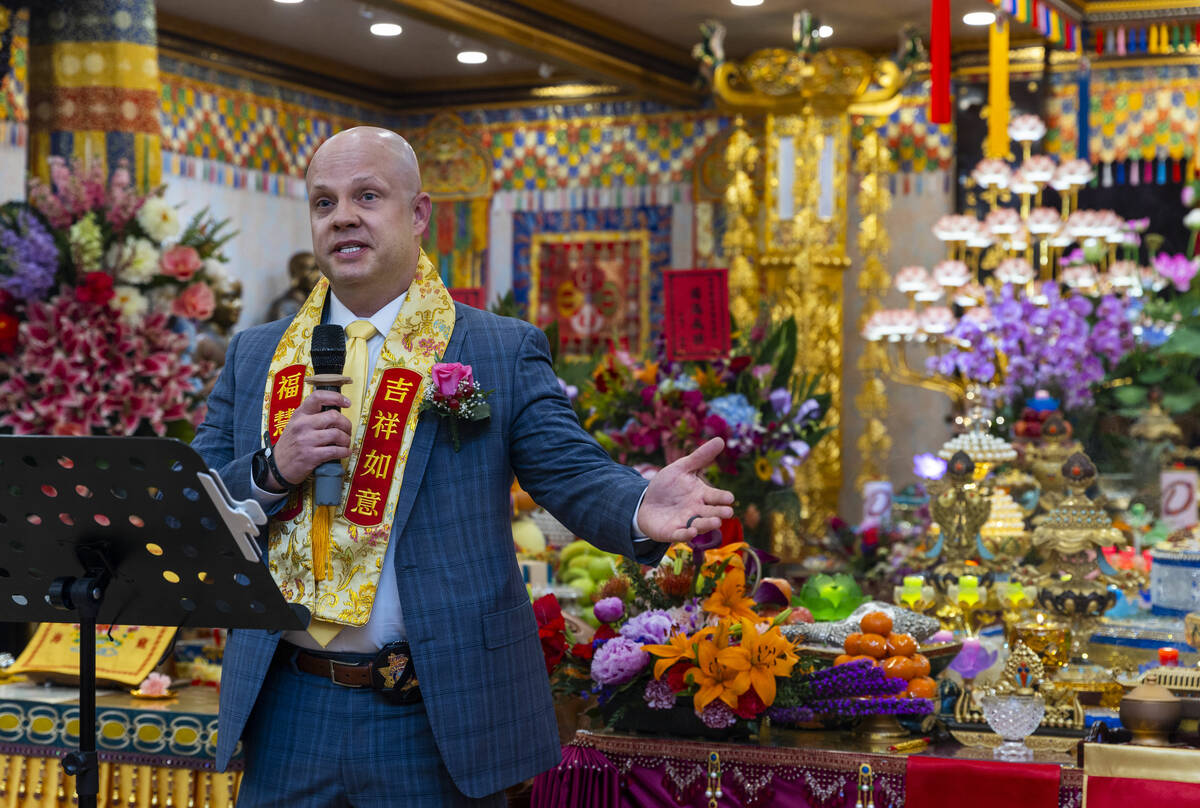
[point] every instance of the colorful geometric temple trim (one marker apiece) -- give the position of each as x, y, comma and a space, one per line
245, 132
1136, 113
917, 144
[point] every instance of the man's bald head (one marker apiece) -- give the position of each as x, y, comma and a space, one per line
379, 140
368, 215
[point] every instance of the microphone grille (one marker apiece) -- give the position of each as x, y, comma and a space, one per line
328, 349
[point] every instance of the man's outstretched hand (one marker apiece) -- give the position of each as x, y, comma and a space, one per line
679, 492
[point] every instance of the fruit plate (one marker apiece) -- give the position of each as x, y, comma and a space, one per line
939, 655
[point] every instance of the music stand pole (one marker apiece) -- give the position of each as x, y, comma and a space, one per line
85, 595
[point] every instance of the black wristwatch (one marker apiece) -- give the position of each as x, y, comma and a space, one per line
262, 465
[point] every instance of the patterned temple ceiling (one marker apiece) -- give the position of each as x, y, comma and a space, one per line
601, 47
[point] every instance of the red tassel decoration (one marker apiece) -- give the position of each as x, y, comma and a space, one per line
1099, 41
939, 62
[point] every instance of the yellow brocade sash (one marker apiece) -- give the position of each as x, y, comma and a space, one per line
362, 524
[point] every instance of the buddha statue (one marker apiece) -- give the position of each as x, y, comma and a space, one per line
303, 272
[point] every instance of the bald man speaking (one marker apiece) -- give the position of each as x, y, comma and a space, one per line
420, 681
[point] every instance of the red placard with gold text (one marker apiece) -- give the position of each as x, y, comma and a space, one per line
382, 441
697, 309
286, 394
471, 295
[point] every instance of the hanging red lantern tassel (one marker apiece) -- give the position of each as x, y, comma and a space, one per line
939, 62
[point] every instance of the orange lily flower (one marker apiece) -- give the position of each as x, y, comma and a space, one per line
729, 598
763, 657
647, 373
715, 680
715, 558
679, 647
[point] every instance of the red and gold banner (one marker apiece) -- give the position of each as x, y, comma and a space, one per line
287, 391
382, 442
697, 309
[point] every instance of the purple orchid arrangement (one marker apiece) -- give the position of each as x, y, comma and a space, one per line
1065, 342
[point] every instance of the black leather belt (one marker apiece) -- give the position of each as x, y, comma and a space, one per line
390, 672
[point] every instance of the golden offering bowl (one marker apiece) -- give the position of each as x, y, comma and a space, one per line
1049, 639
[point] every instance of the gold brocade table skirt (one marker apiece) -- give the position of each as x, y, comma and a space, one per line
39, 782
152, 752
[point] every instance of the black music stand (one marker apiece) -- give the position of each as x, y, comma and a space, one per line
126, 530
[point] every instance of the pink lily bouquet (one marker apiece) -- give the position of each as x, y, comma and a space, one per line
101, 291
456, 396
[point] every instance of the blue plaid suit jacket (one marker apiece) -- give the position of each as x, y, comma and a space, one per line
468, 618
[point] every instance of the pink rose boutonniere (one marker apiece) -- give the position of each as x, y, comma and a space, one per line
455, 395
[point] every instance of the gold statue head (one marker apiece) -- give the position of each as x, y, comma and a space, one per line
302, 269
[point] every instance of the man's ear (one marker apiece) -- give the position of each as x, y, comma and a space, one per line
422, 211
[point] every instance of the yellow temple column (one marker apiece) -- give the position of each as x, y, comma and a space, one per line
93, 87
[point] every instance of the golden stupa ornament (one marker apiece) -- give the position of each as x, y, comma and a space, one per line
1076, 577
805, 77
1047, 457
1154, 425
1023, 671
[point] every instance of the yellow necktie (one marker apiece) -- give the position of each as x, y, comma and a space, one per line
357, 367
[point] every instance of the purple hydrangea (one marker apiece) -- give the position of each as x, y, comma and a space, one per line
618, 661
608, 610
717, 715
659, 695
652, 627
28, 258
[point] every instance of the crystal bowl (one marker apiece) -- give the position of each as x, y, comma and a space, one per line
1013, 717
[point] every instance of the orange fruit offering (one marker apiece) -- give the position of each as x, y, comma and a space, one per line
873, 645
842, 659
921, 663
922, 687
853, 644
899, 667
877, 623
901, 645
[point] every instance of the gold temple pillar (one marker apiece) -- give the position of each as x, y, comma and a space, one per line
792, 231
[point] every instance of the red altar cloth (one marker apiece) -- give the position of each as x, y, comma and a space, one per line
618, 771
1125, 792
932, 782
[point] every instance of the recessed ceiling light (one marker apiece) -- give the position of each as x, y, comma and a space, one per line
385, 29
825, 31
289, 2
746, 2
979, 18
472, 57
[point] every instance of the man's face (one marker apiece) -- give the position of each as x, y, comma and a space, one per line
367, 219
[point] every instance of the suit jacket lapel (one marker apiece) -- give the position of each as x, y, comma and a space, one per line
422, 445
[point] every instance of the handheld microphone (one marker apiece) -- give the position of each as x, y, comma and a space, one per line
328, 352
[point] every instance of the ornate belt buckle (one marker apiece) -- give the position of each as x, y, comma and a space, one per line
393, 674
